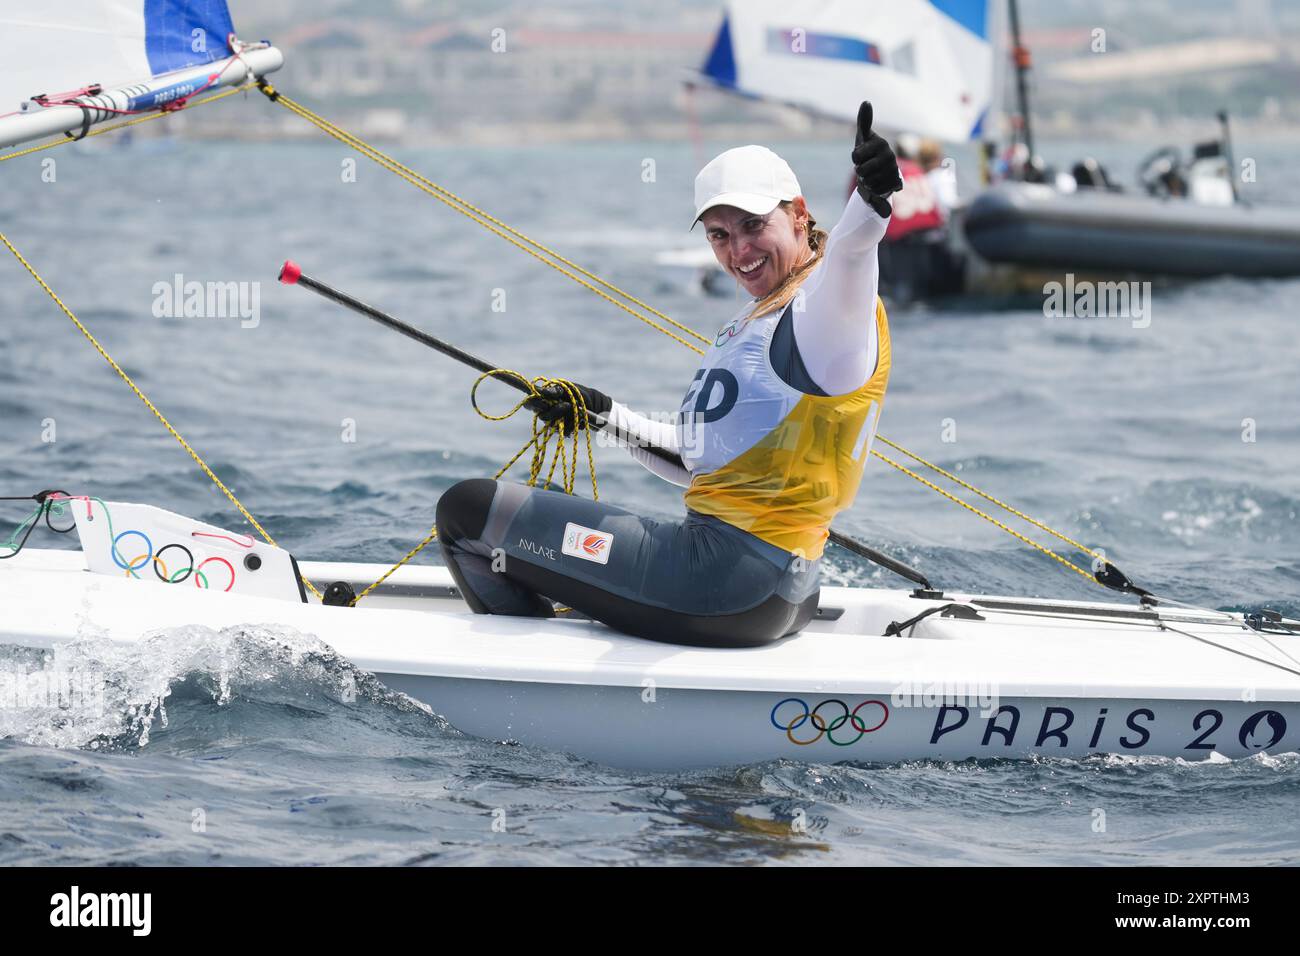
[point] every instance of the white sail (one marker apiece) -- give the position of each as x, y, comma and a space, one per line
926, 65
74, 63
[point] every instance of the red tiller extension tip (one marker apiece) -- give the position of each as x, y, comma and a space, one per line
290, 272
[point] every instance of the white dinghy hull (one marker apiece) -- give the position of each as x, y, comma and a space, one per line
1062, 679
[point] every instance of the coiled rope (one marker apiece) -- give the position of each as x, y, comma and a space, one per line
537, 389
539, 443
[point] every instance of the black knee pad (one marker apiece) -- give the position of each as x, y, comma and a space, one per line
462, 510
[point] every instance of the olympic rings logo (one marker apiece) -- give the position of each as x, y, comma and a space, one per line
160, 566
826, 728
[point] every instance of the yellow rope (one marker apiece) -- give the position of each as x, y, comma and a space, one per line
433, 533
541, 439
141, 395
987, 497
99, 130
495, 226
987, 517
539, 443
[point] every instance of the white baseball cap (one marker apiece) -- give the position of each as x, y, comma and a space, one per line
752, 178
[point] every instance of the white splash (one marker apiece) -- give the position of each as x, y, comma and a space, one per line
93, 689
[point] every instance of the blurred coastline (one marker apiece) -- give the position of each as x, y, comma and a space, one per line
502, 72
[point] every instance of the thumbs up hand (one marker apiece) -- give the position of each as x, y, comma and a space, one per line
874, 164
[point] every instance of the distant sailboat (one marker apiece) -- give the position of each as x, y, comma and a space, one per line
926, 65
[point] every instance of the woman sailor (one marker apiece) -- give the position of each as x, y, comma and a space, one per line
773, 434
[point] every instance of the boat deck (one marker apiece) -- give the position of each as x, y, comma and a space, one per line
417, 626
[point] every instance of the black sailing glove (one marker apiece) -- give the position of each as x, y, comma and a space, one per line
874, 164
554, 405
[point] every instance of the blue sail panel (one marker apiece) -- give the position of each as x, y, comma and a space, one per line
972, 14
184, 33
721, 64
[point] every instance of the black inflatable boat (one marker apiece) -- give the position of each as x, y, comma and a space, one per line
1030, 224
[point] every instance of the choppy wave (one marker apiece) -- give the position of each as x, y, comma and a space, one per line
101, 694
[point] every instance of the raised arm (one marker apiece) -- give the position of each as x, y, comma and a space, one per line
834, 324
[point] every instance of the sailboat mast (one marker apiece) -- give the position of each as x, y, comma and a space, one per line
1020, 54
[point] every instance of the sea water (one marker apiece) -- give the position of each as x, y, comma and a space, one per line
1172, 445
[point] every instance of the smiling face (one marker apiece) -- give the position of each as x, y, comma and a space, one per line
759, 251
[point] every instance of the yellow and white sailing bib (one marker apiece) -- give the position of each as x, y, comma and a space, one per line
766, 457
